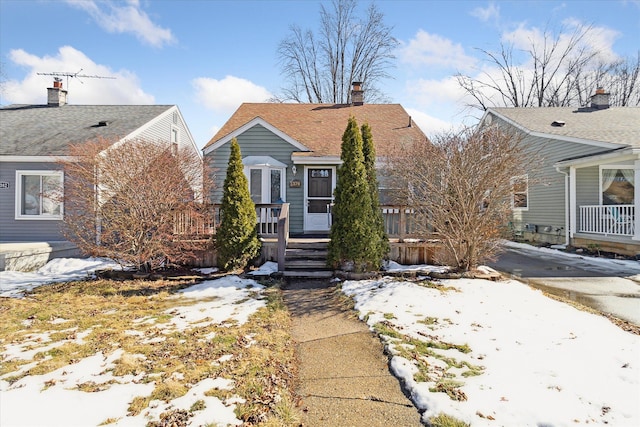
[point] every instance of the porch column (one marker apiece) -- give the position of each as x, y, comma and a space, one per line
636, 200
573, 218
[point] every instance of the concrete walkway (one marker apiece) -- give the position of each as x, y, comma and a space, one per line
344, 379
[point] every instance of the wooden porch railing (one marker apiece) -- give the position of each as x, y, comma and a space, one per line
194, 220
612, 220
399, 221
283, 235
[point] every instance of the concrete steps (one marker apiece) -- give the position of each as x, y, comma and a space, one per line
307, 258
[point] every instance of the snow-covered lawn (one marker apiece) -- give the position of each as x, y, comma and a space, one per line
500, 354
87, 391
503, 354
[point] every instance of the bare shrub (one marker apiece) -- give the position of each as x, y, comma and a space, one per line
461, 187
120, 199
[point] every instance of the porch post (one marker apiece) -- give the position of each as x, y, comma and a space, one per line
636, 199
572, 201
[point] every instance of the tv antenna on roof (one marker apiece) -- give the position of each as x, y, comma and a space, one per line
76, 75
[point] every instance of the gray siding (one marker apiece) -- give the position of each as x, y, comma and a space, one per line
259, 141
547, 185
23, 230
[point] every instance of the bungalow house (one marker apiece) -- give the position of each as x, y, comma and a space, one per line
585, 194
291, 151
33, 137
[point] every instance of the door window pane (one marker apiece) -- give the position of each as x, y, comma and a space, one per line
276, 194
319, 206
255, 185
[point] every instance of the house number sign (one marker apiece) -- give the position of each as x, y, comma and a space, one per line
4, 184
295, 183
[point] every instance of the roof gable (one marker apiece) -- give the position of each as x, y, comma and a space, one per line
242, 129
318, 128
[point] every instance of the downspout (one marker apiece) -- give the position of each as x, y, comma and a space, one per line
567, 213
636, 200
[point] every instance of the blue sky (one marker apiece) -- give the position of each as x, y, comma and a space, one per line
209, 56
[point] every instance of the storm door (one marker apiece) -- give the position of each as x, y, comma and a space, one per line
320, 182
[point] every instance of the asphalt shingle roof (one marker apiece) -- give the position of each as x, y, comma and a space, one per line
41, 130
618, 125
320, 126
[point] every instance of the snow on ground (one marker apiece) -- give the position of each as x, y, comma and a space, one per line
53, 399
545, 362
15, 283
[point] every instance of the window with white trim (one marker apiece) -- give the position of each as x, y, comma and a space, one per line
38, 195
266, 177
617, 185
266, 184
520, 192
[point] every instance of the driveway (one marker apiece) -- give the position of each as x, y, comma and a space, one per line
610, 286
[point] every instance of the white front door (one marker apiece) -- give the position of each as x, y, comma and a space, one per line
319, 186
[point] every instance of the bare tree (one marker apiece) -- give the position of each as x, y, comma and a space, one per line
461, 187
320, 68
626, 82
556, 71
120, 200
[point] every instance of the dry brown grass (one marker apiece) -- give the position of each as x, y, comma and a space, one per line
83, 318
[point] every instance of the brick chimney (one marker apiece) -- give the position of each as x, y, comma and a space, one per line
600, 100
56, 96
357, 94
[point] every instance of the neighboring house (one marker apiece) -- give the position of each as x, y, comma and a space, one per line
586, 192
33, 137
291, 152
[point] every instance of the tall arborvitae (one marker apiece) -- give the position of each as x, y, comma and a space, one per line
237, 238
369, 152
353, 238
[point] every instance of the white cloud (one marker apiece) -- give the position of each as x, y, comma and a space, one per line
116, 17
226, 95
125, 89
433, 93
485, 14
600, 39
430, 125
427, 49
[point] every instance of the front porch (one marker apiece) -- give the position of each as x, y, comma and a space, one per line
607, 228
273, 225
608, 220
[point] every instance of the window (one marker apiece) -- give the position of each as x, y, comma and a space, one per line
617, 185
175, 135
266, 178
520, 190
38, 195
